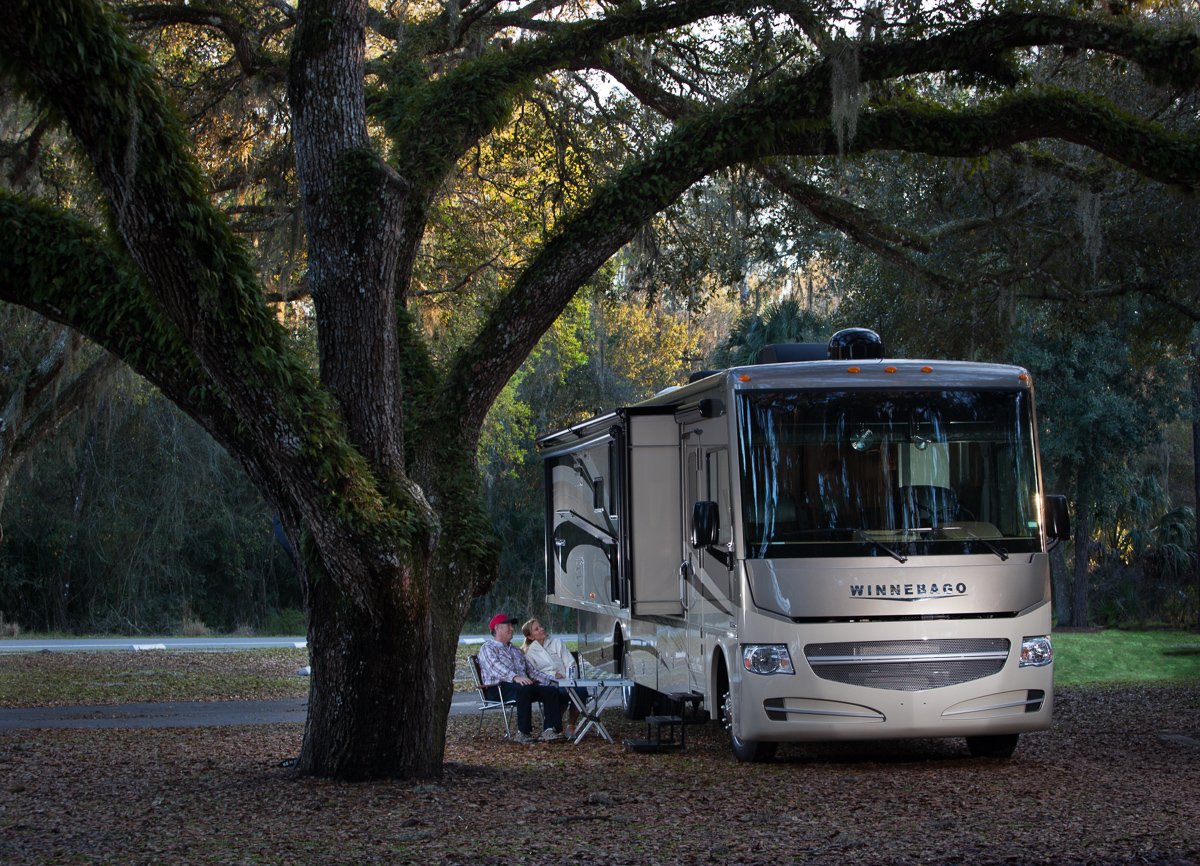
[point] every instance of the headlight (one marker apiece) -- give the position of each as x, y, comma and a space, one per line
768, 658
1036, 652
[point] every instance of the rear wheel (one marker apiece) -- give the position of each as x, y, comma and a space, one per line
637, 699
750, 751
995, 746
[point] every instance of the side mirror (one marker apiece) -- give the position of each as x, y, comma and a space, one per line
706, 524
1058, 519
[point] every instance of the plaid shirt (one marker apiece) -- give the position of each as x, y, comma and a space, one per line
502, 663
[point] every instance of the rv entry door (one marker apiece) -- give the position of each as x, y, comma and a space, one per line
708, 554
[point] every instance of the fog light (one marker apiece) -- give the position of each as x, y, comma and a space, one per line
1036, 652
770, 658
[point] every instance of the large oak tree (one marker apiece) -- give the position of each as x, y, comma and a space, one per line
370, 459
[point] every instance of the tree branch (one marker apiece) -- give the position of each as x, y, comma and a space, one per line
248, 51
786, 118
192, 318
885, 240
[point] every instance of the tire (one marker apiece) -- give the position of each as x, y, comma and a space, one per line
639, 701
994, 746
747, 751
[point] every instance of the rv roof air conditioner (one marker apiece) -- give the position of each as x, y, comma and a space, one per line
855, 344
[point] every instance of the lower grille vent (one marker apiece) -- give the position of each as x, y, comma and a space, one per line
908, 665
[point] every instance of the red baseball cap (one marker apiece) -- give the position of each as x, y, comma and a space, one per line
500, 619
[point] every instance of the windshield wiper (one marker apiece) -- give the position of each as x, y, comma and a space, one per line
999, 551
896, 555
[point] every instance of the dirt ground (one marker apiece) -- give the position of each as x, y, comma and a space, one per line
1115, 781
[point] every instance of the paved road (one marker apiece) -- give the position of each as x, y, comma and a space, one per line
181, 714
193, 644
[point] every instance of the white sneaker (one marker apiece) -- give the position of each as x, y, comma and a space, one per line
550, 735
524, 739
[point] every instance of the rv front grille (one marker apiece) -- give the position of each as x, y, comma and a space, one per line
908, 665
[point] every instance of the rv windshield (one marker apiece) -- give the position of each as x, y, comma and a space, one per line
887, 473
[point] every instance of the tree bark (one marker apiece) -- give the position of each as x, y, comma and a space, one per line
1083, 554
1060, 585
372, 699
1196, 474
374, 708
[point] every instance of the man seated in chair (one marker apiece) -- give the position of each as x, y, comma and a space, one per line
503, 666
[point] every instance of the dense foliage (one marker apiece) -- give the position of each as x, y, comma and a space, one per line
140, 523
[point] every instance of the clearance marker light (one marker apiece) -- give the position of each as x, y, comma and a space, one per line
927, 369
743, 378
852, 369
889, 369
1024, 377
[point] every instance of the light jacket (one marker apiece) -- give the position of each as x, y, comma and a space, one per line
551, 658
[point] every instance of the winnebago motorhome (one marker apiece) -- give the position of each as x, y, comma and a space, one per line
826, 545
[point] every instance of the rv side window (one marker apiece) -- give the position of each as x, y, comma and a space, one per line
583, 536
717, 481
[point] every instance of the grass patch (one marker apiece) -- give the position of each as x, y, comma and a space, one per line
1124, 657
114, 677
63, 679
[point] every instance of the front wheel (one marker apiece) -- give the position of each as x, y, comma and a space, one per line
748, 751
995, 746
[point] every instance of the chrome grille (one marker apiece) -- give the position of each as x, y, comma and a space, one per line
908, 665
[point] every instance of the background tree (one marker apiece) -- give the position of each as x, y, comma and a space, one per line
138, 522
371, 461
782, 321
45, 377
1101, 412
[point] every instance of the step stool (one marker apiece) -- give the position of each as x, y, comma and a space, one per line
663, 734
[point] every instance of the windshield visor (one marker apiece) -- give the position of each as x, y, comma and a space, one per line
887, 473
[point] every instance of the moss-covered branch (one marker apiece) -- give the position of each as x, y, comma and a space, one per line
193, 319
433, 122
245, 38
787, 119
64, 269
74, 57
1165, 54
1145, 147
893, 243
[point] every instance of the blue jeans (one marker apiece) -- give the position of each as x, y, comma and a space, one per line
525, 695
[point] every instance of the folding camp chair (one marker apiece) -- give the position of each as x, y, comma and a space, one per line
490, 697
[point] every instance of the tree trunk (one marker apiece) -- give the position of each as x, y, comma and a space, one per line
1196, 473
61, 589
1083, 550
1060, 584
372, 709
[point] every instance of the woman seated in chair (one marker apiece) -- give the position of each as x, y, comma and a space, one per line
548, 655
